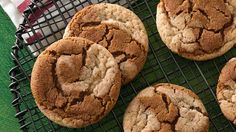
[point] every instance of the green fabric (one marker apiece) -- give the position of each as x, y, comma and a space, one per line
8, 122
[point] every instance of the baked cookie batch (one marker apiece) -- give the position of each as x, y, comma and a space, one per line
76, 81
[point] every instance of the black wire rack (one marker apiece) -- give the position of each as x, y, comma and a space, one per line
161, 66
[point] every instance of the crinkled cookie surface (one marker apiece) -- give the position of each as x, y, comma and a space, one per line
226, 90
197, 29
75, 82
166, 108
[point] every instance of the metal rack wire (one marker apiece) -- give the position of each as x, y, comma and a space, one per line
161, 66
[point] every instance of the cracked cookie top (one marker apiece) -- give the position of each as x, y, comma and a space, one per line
166, 108
75, 82
116, 28
226, 90
197, 29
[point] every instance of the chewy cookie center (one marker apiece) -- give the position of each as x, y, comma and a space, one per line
204, 23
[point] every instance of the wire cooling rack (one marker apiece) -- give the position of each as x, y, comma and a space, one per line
161, 66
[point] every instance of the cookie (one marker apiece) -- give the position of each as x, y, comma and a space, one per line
226, 90
166, 108
116, 28
197, 29
75, 82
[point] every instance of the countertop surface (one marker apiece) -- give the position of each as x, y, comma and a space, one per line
8, 122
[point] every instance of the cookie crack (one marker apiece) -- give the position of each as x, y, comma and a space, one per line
89, 24
169, 19
81, 98
204, 14
108, 40
175, 121
191, 5
84, 56
104, 105
198, 109
56, 82
127, 56
227, 100
222, 12
164, 98
199, 37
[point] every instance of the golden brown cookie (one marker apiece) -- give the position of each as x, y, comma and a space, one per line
226, 90
75, 82
116, 28
197, 29
166, 108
